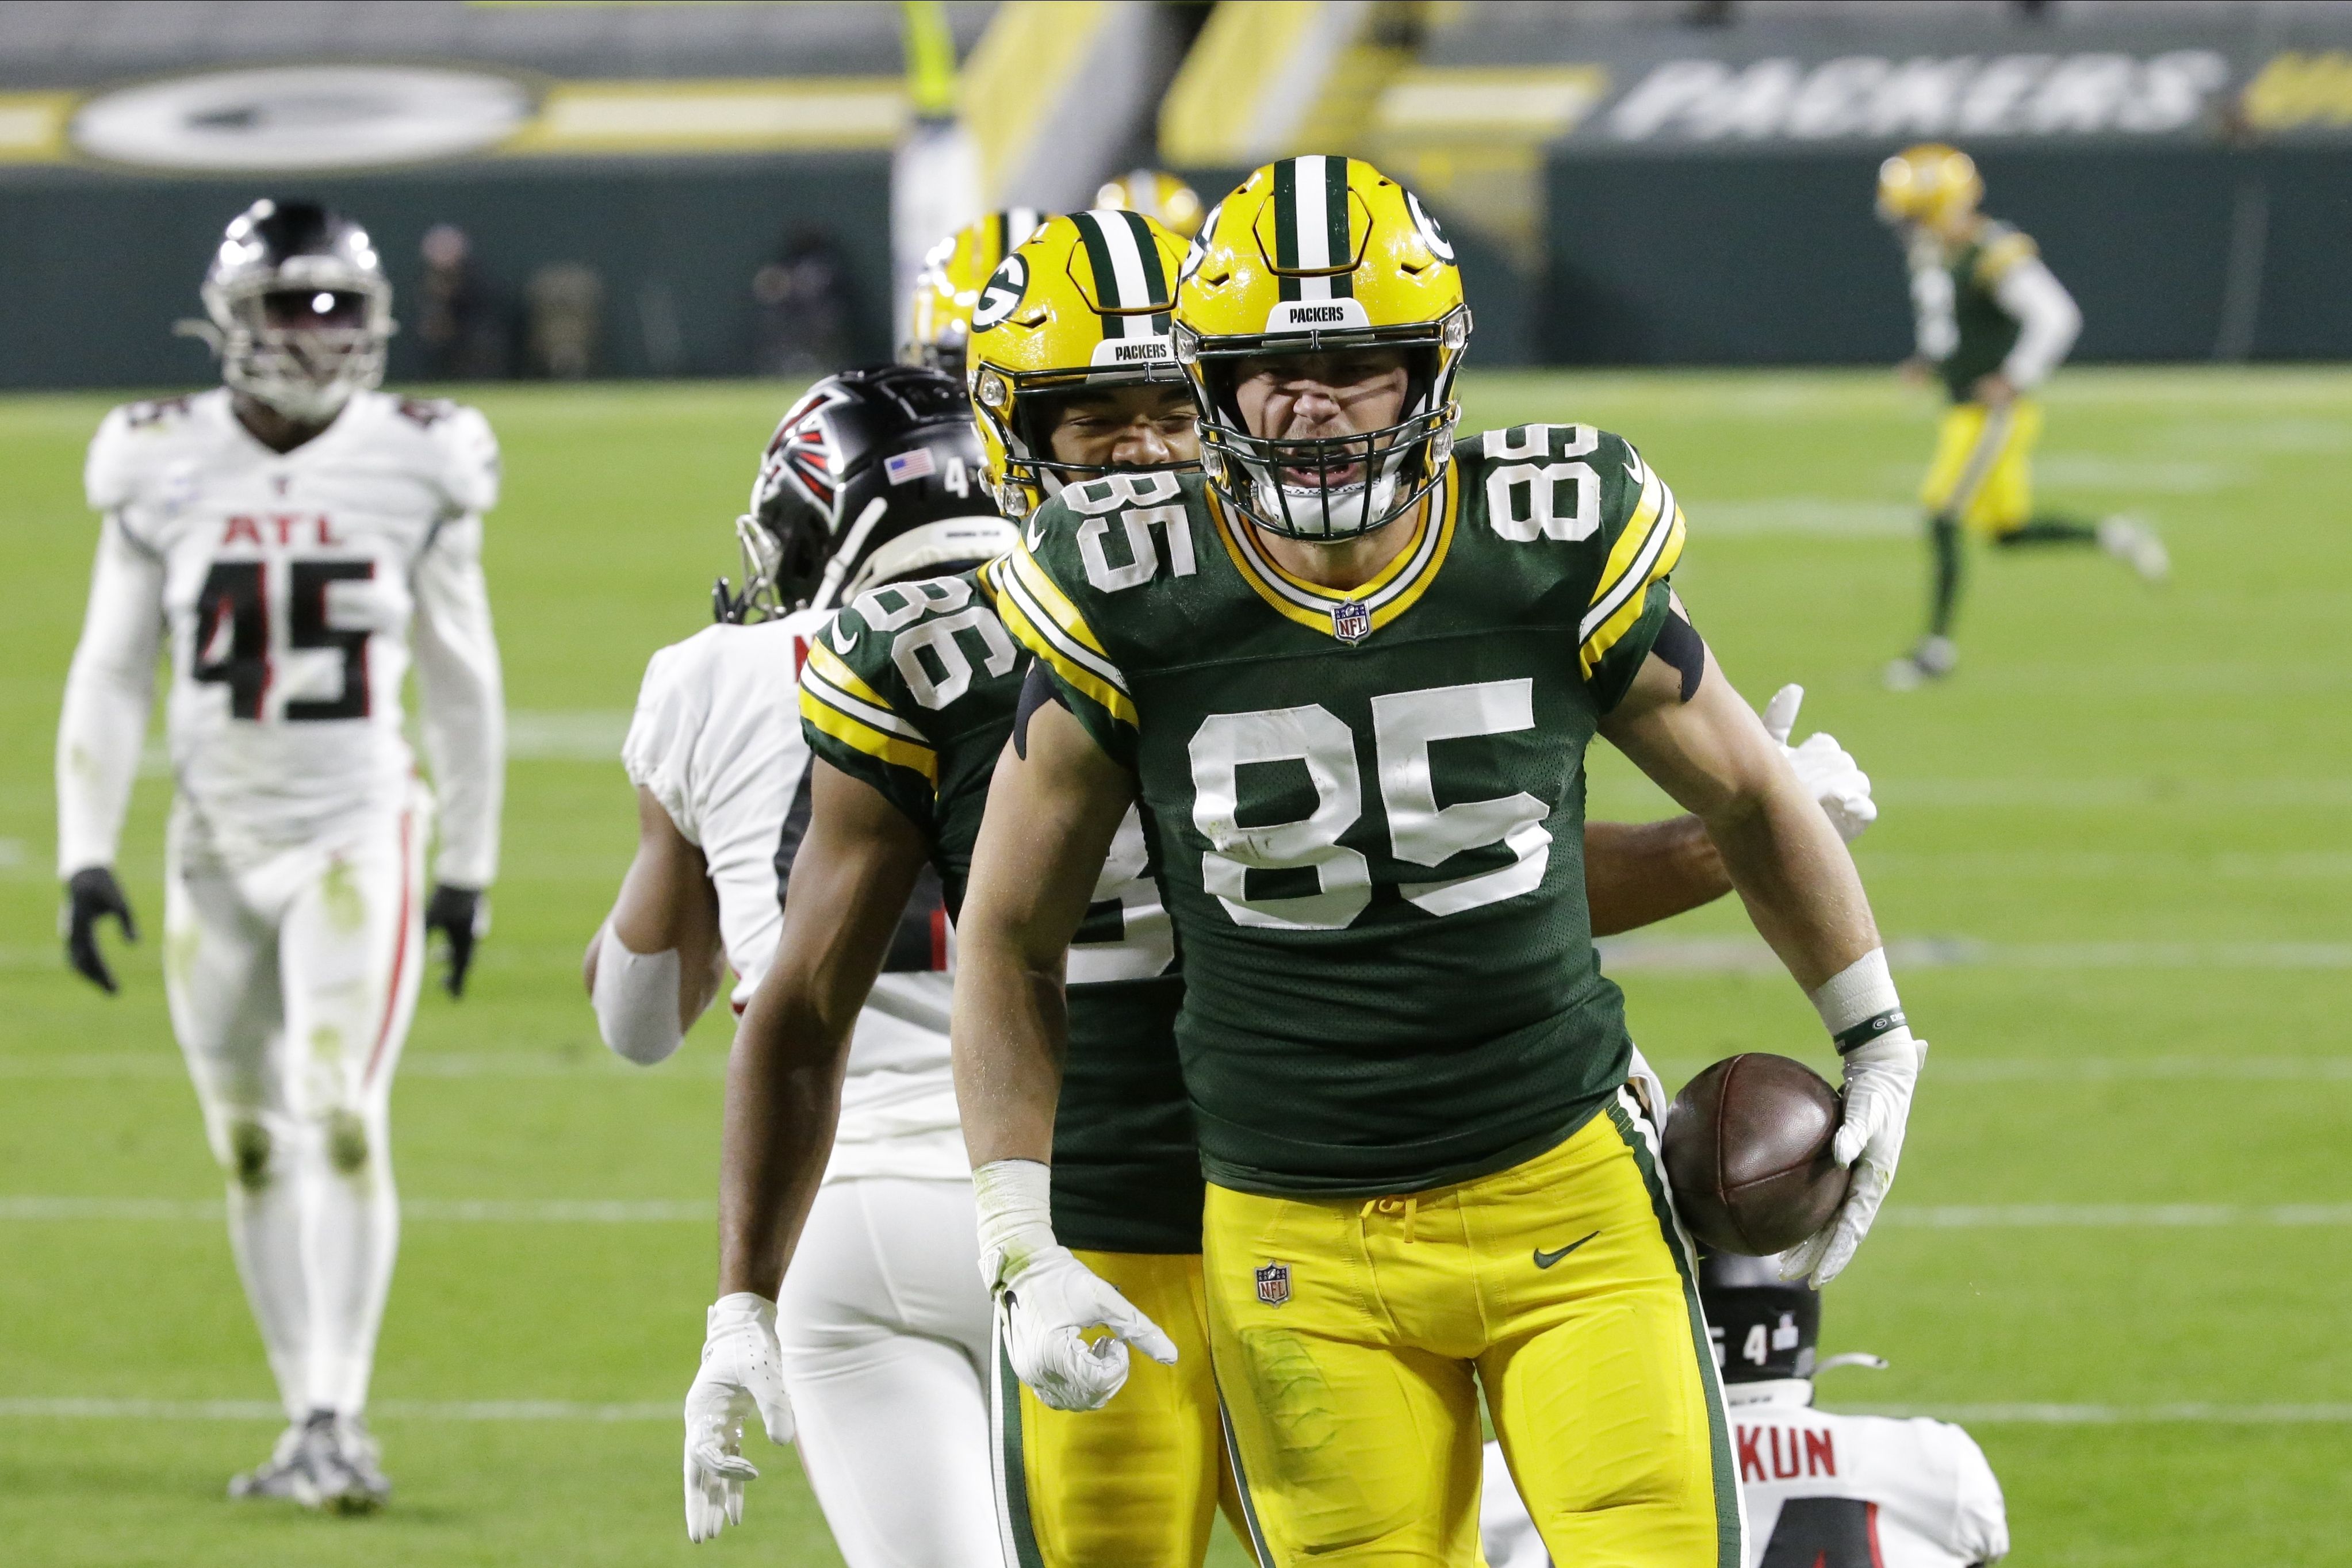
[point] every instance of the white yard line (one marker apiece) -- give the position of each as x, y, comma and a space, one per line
382, 1410
2191, 1412
2186, 1413
1749, 955
31, 1209
485, 1211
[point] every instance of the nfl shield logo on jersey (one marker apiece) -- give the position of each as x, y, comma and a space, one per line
1274, 1284
1352, 623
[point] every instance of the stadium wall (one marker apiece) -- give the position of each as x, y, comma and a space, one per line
1776, 257
96, 268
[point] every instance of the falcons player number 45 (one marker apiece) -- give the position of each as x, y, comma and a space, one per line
299, 539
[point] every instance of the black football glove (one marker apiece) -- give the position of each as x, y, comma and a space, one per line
462, 916
92, 893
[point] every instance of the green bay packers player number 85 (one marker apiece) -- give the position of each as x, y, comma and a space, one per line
1344, 680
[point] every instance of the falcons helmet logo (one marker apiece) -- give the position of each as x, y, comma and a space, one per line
802, 451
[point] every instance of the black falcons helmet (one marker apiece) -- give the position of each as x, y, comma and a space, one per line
1764, 1326
299, 308
875, 474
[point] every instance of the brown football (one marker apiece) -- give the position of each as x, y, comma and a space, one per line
1748, 1153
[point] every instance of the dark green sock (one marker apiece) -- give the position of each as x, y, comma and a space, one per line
1944, 535
2047, 528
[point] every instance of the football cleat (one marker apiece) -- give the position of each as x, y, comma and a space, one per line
946, 290
299, 309
363, 1457
1322, 255
1932, 660
2136, 544
324, 1477
274, 1476
1084, 305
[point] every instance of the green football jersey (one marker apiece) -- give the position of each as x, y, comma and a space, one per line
1370, 805
912, 689
1987, 331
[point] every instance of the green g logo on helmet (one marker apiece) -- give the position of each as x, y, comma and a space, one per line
1000, 297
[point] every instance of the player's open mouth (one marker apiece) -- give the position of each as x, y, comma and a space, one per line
1327, 476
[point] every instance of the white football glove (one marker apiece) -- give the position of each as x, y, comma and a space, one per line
743, 1373
1828, 772
1879, 1081
1048, 1302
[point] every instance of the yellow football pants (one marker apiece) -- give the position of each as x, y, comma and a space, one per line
1137, 1483
1982, 472
1352, 1338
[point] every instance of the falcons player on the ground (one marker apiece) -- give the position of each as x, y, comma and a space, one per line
1821, 1490
873, 476
300, 537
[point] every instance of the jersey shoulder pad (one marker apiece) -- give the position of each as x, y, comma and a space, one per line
466, 452
868, 696
1617, 527
130, 440
1100, 576
673, 702
1999, 248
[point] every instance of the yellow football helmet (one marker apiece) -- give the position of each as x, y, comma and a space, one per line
1157, 195
1930, 184
949, 286
1321, 255
1084, 305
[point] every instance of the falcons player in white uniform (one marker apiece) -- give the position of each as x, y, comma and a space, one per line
873, 475
1821, 1490
299, 539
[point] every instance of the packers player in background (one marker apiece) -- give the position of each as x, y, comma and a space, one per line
1158, 195
1344, 679
1992, 322
939, 323
908, 701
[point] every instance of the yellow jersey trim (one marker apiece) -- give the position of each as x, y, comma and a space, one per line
1645, 553
859, 735
1042, 618
1397, 588
834, 668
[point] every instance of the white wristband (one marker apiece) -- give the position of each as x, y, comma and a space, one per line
1858, 1003
635, 997
1015, 1200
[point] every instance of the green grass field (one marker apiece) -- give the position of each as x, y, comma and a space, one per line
2112, 861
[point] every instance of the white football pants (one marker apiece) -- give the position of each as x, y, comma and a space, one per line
885, 1331
292, 977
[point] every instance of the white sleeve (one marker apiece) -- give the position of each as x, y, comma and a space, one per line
659, 751
1980, 1517
108, 691
470, 454
1935, 331
463, 701
2047, 319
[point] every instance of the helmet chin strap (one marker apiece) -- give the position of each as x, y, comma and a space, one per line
837, 569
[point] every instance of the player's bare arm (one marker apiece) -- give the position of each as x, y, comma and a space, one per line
1713, 754
1054, 805
1703, 746
852, 877
1050, 816
655, 963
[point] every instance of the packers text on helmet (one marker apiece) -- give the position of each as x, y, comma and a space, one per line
1083, 306
1322, 255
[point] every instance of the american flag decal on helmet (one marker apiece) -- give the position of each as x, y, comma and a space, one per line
1272, 1283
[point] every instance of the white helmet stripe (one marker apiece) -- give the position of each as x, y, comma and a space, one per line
1126, 286
1309, 188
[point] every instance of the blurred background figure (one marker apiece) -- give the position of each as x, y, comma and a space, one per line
565, 301
461, 320
1157, 195
948, 290
803, 308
